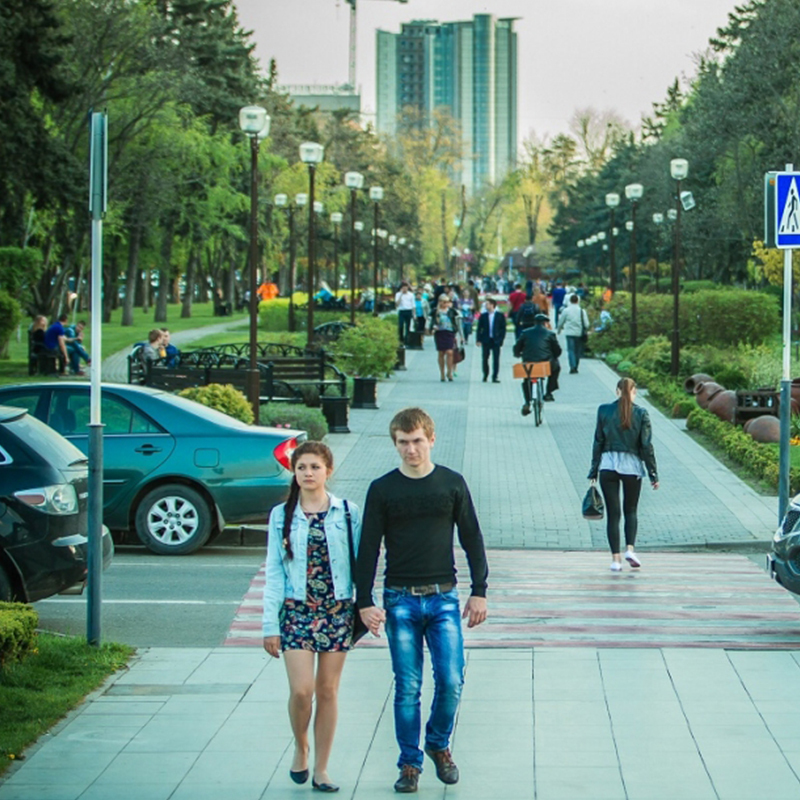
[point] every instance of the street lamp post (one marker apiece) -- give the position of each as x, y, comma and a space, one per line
353, 181
634, 192
580, 244
300, 201
679, 169
612, 201
658, 221
254, 123
401, 244
601, 237
336, 219
393, 245
311, 153
282, 201
376, 195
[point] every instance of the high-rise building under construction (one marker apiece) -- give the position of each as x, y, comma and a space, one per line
468, 69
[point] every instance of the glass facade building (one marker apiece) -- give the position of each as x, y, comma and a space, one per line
466, 68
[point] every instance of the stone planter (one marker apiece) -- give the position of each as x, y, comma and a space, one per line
337, 412
401, 358
414, 340
691, 382
704, 392
365, 393
723, 404
766, 429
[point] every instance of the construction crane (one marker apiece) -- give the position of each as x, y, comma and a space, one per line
351, 70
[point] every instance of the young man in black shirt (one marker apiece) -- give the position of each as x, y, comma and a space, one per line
412, 510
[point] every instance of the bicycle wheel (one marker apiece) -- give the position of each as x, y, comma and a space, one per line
538, 403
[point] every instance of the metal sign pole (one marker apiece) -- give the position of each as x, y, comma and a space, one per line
98, 181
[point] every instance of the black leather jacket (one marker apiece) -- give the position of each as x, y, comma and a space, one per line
610, 437
537, 344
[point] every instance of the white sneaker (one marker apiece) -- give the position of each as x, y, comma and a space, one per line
616, 566
632, 559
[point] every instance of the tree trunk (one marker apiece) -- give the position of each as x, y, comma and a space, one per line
191, 270
145, 290
131, 275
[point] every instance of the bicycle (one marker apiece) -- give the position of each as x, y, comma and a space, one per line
536, 372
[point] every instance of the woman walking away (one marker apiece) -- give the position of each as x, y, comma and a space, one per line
574, 322
446, 327
308, 603
623, 454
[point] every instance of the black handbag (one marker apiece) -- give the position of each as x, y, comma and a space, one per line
593, 504
360, 630
584, 332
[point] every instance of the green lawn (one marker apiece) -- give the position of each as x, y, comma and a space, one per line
38, 691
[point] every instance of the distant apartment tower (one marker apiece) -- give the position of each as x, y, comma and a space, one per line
466, 68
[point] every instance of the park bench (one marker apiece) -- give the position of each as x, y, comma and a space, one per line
752, 403
41, 363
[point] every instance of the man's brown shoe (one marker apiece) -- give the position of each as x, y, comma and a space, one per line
408, 780
446, 770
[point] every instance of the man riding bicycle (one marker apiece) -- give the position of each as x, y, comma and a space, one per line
537, 343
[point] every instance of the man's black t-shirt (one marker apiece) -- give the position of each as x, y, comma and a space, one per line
414, 517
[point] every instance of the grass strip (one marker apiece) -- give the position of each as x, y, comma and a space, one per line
38, 691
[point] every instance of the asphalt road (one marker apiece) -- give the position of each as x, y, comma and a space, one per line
162, 601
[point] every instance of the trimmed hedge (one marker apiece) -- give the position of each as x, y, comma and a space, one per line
18, 623
707, 317
222, 397
290, 415
667, 393
756, 459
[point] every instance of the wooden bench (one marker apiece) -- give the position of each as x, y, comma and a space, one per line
752, 403
41, 362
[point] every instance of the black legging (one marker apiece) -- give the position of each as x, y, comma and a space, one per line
631, 489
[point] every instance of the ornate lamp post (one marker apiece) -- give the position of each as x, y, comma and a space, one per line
401, 243
353, 181
679, 169
393, 244
282, 201
336, 219
312, 154
376, 195
612, 201
634, 192
254, 123
658, 221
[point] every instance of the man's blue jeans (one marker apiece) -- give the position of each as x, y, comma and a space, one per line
574, 351
436, 619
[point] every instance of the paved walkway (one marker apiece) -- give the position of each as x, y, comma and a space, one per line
540, 722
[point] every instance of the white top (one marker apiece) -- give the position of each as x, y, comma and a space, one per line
404, 301
623, 463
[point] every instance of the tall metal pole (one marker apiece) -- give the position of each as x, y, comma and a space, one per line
634, 319
676, 285
311, 255
352, 256
612, 255
375, 265
253, 382
292, 268
336, 259
786, 383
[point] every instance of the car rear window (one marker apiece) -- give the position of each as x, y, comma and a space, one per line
44, 440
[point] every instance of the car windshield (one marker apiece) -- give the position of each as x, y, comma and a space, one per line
45, 441
211, 414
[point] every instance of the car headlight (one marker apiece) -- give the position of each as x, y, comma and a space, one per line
60, 498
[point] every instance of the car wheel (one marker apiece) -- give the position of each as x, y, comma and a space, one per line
173, 520
6, 595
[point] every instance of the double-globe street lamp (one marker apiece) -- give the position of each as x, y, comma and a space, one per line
634, 192
353, 181
311, 154
376, 195
254, 123
612, 201
679, 170
658, 221
336, 220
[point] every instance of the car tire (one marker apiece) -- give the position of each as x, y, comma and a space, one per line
6, 592
173, 520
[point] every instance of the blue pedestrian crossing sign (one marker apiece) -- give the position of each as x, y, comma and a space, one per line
787, 217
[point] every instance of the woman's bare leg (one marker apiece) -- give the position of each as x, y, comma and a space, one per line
300, 670
329, 672
441, 355
450, 363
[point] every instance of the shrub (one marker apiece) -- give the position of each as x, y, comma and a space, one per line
697, 286
707, 317
224, 398
368, 350
625, 366
18, 623
291, 415
10, 316
612, 359
731, 378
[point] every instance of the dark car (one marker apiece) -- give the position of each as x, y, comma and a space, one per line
784, 560
44, 502
174, 471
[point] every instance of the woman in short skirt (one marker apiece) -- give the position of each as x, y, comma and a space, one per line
446, 327
308, 603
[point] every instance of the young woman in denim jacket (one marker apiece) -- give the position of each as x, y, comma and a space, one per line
308, 603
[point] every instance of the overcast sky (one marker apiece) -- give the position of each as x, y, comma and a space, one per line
608, 54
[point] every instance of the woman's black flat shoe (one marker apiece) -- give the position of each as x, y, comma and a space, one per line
324, 787
299, 777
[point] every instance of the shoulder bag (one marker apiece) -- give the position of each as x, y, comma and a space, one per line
584, 331
593, 504
359, 628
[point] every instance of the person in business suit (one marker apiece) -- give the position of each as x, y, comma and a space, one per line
490, 336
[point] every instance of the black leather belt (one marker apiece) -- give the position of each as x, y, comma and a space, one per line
424, 591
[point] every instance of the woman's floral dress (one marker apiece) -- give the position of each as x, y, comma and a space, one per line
321, 623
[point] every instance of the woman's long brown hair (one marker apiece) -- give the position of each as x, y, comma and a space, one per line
625, 388
317, 449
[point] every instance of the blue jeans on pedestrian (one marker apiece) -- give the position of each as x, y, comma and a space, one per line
574, 351
436, 619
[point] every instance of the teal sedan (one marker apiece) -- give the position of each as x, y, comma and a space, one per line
174, 471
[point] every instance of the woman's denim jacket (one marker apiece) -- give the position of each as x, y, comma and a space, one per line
286, 578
